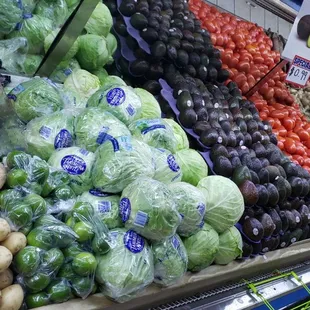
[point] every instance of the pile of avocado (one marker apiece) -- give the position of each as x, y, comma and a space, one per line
303, 29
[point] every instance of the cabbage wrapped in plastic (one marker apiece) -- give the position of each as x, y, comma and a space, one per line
201, 248
29, 5
77, 163
48, 133
121, 101
34, 98
112, 80
167, 169
64, 69
230, 246
127, 268
101, 73
111, 46
170, 261
35, 29
93, 127
55, 10
73, 102
191, 205
11, 13
179, 133
224, 202
31, 64
105, 206
119, 162
150, 107
100, 21
193, 166
147, 207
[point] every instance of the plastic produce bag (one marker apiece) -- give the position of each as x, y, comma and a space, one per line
121, 101
147, 206
45, 134
11, 13
31, 64
119, 162
34, 98
154, 132
77, 163
167, 169
29, 5
94, 127
64, 69
179, 133
150, 106
127, 268
170, 261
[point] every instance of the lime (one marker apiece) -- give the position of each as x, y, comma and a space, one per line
52, 260
35, 187
8, 197
37, 282
82, 286
37, 300
84, 264
17, 159
47, 220
70, 222
100, 246
59, 290
26, 229
37, 203
20, 215
27, 260
40, 170
64, 192
84, 231
82, 211
72, 251
16, 177
66, 271
40, 238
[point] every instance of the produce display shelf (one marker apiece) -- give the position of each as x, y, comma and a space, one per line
212, 278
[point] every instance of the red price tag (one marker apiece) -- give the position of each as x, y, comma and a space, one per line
299, 71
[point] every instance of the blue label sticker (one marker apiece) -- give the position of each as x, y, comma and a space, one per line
124, 209
201, 224
73, 164
98, 193
113, 235
116, 96
67, 71
63, 139
18, 26
45, 132
27, 15
50, 82
16, 91
131, 110
104, 206
83, 152
151, 128
125, 142
173, 165
201, 208
175, 242
133, 242
141, 219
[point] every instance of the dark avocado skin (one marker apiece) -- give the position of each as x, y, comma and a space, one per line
303, 27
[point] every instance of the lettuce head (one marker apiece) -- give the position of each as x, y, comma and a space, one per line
11, 13
179, 133
64, 69
150, 106
31, 64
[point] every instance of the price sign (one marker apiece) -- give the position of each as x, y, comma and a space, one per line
299, 71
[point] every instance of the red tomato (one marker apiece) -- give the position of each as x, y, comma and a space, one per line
290, 146
299, 158
307, 161
280, 145
293, 135
282, 131
280, 114
263, 115
303, 135
288, 123
277, 123
244, 66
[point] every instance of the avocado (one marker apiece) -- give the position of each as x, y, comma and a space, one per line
305, 215
263, 195
305, 233
288, 188
248, 212
282, 171
138, 21
256, 136
254, 177
290, 169
232, 152
202, 114
295, 235
297, 186
280, 184
139, 67
305, 188
265, 162
256, 165
298, 219
276, 241
209, 137
218, 150
291, 219
276, 220
188, 118
222, 166
263, 175
275, 157
253, 229
235, 162
201, 126
249, 192
268, 224
241, 174
259, 149
246, 159
184, 100
257, 248
247, 249
285, 240
267, 245
303, 27
258, 211
284, 220
152, 86
242, 150
273, 173
231, 139
127, 7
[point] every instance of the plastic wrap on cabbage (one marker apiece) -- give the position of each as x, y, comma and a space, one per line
150, 107
119, 162
50, 39
224, 204
31, 64
179, 133
112, 80
77, 163
11, 13
111, 46
100, 21
29, 5
73, 102
167, 169
170, 261
127, 268
230, 246
105, 205
121, 101
34, 28
154, 132
48, 133
191, 204
201, 248
56, 10
147, 206
93, 52
34, 98
93, 127
193, 166
83, 83
64, 69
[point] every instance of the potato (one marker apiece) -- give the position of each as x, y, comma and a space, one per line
15, 242
4, 229
2, 175
5, 258
6, 278
12, 297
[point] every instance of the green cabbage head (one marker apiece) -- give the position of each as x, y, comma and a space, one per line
93, 127
34, 98
201, 248
179, 133
112, 80
31, 64
101, 73
112, 46
64, 69
127, 268
119, 161
77, 163
170, 261
147, 207
150, 106
230, 246
191, 204
224, 205
100, 21
11, 13
193, 166
45, 134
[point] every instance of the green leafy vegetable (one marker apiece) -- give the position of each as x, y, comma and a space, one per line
10, 14
64, 69
150, 106
111, 46
101, 73
31, 64
179, 133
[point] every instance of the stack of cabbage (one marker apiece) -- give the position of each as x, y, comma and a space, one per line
34, 24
